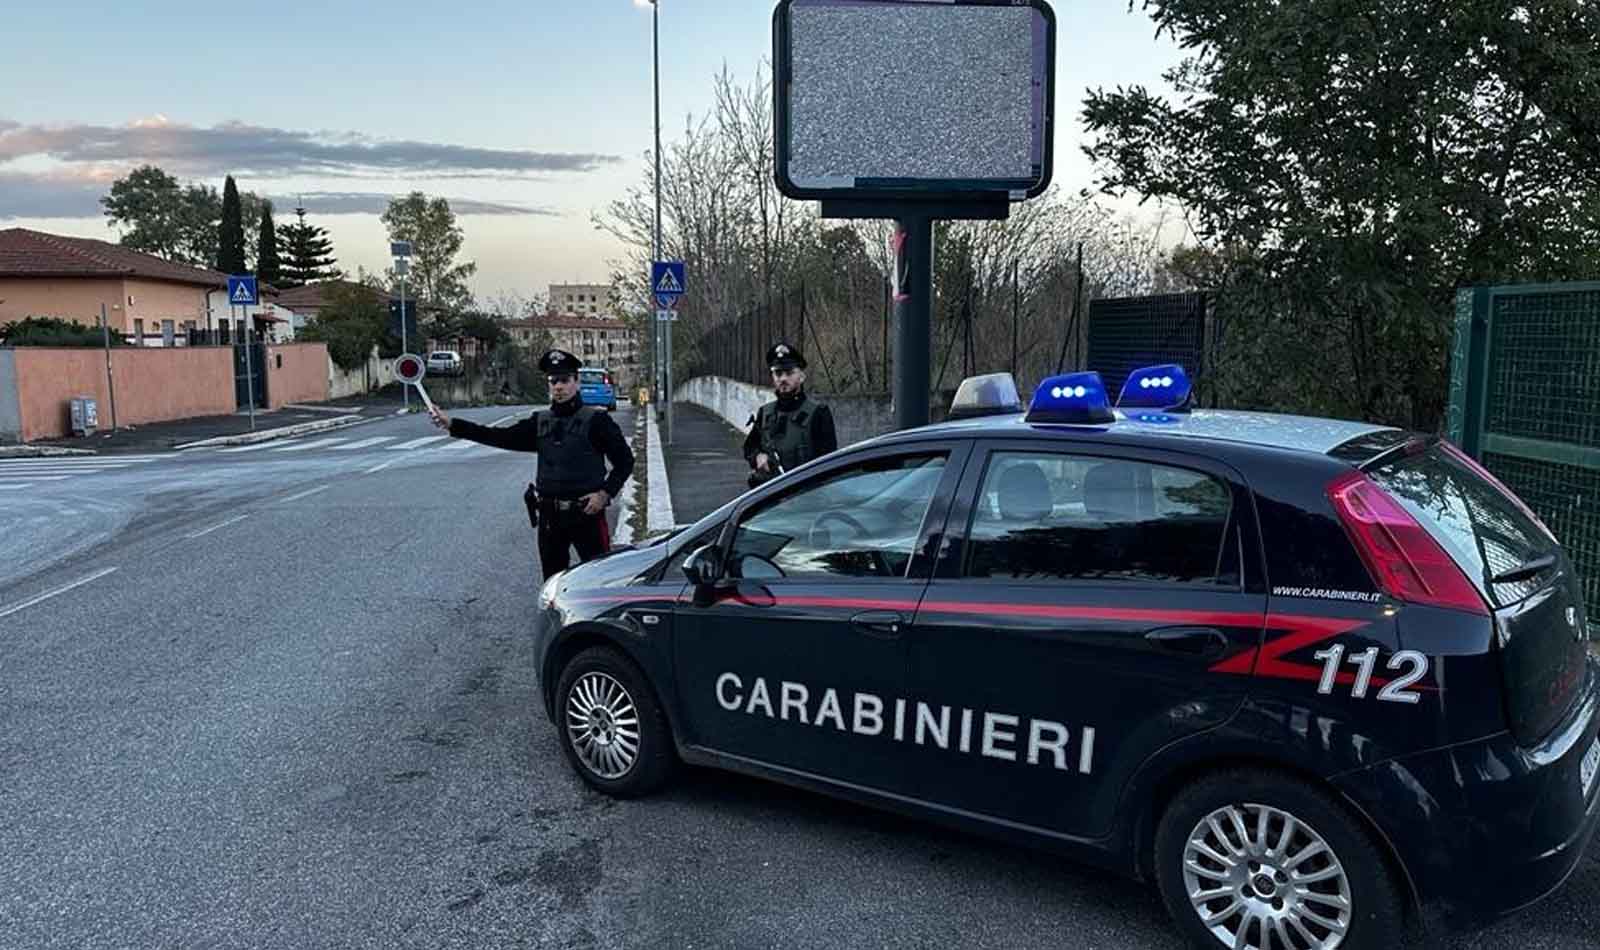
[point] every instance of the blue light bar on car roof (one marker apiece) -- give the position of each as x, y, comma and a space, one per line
1156, 387
1073, 399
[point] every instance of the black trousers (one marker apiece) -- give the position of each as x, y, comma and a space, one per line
560, 530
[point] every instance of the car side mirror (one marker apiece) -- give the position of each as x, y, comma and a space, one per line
704, 566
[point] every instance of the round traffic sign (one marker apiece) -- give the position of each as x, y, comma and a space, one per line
409, 368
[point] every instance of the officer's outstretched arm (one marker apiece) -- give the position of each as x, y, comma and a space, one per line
522, 437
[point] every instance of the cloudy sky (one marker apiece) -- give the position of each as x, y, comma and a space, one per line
528, 115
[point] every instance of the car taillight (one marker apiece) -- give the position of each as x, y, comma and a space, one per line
1403, 557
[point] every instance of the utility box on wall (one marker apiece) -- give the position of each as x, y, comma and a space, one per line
85, 415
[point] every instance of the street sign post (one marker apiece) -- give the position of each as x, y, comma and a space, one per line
409, 368
243, 292
668, 281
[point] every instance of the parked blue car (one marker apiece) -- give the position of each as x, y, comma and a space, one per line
597, 388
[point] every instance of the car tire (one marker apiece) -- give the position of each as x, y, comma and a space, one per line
1258, 880
611, 726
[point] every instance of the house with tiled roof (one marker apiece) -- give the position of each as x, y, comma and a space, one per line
149, 300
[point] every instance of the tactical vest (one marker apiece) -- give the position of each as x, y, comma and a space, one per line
568, 465
788, 434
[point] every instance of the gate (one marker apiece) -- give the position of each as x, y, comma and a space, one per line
1525, 401
255, 376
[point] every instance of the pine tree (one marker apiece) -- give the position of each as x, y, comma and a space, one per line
267, 268
307, 253
230, 243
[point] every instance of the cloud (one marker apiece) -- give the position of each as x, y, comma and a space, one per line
361, 202
76, 193
53, 194
238, 148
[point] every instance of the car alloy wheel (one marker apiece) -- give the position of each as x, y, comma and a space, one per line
1261, 879
603, 724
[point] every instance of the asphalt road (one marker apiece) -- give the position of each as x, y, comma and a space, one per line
314, 727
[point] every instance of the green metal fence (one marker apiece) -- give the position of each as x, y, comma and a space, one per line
1525, 401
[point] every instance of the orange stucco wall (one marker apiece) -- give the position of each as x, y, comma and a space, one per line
153, 385
302, 375
76, 299
154, 302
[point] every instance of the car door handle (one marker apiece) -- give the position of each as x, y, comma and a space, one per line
883, 624
1203, 642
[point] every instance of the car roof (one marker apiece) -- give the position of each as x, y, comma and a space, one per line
1308, 434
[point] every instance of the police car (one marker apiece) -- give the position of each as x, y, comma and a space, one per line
1313, 678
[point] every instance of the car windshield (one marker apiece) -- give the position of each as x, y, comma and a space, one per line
592, 375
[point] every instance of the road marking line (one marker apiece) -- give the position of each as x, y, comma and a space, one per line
86, 463
56, 593
34, 478
414, 443
13, 486
318, 444
504, 419
259, 445
60, 468
306, 494
379, 468
201, 534
364, 443
457, 444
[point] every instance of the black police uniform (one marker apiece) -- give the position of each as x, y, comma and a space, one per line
791, 430
574, 442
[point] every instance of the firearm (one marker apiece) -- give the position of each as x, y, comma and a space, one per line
774, 466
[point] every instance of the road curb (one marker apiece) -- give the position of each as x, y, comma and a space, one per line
658, 516
267, 435
40, 451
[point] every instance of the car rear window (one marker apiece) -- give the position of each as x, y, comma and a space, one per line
1485, 532
591, 376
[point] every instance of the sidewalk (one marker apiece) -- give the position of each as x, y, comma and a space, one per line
161, 436
705, 464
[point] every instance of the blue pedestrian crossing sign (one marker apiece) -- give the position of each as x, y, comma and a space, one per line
667, 278
242, 291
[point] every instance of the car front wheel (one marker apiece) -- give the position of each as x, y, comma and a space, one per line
1253, 859
613, 730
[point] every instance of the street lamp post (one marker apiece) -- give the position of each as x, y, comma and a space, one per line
660, 328
401, 252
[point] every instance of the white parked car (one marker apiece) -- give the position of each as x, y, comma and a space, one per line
445, 363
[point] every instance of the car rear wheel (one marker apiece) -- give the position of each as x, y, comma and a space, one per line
1259, 861
612, 728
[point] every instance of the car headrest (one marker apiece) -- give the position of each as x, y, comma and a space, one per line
1111, 492
1024, 493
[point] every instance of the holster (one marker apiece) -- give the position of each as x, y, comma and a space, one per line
530, 498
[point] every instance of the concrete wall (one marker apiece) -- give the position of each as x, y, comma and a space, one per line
77, 299
378, 373
296, 372
855, 418
153, 385
10, 411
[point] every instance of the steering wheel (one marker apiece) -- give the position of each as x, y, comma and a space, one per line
820, 537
